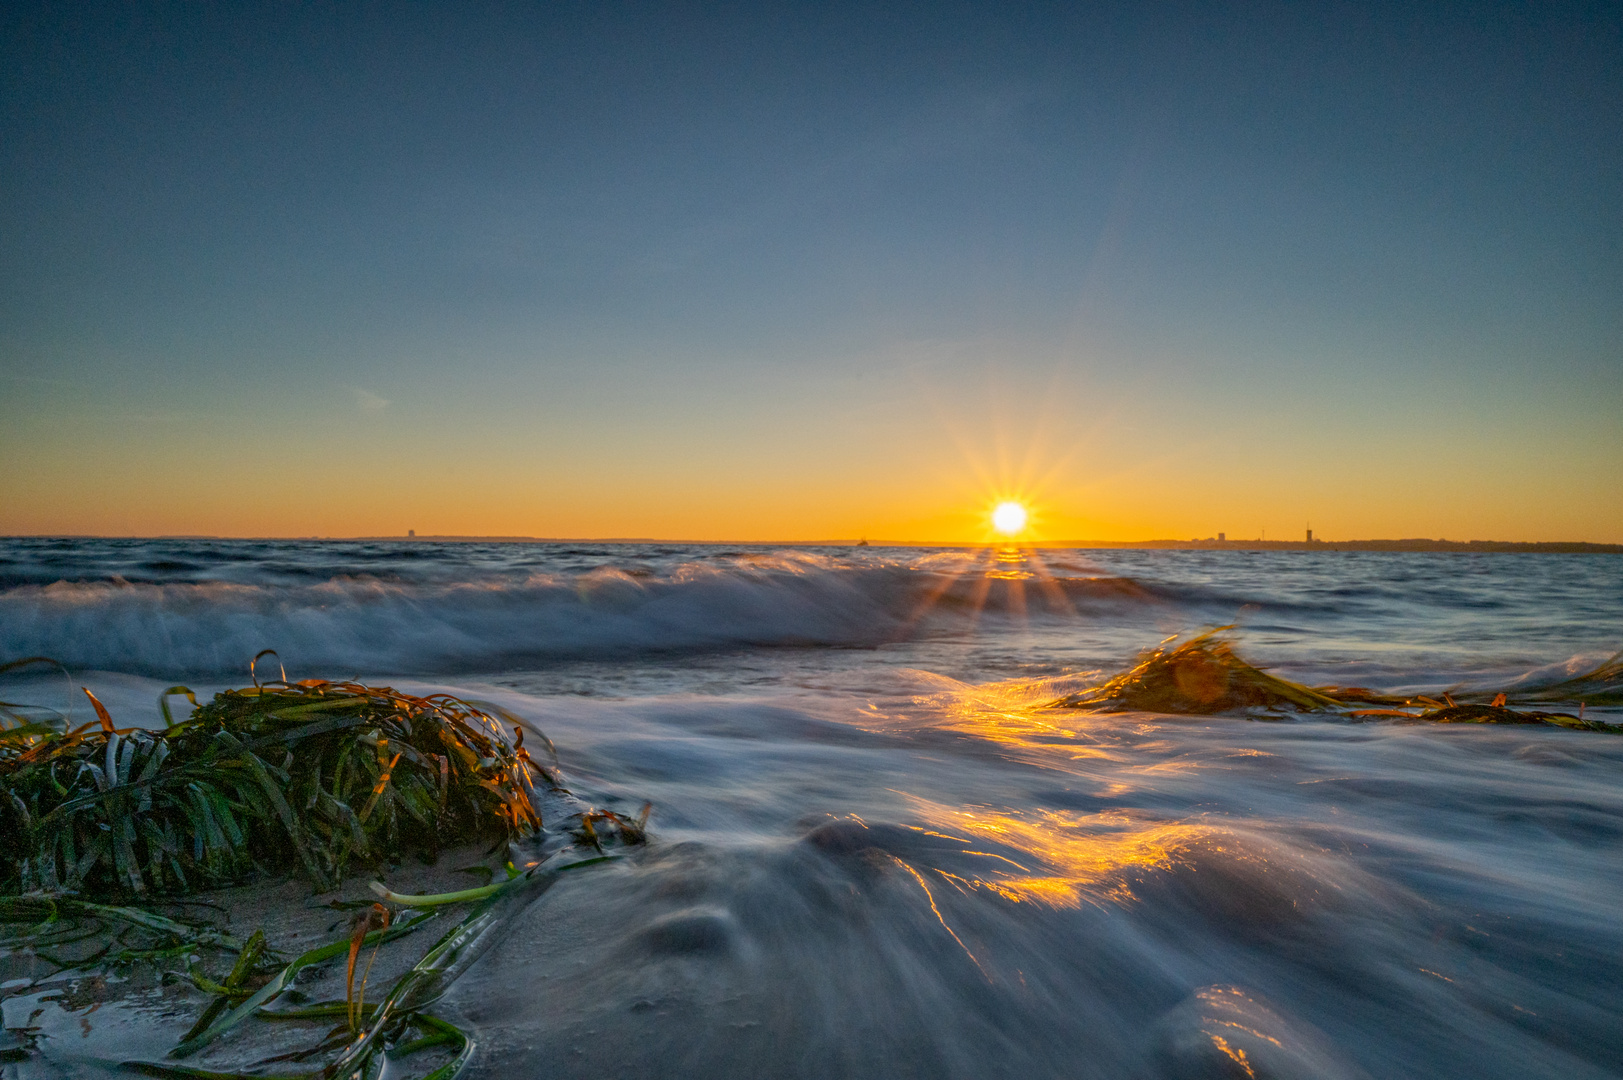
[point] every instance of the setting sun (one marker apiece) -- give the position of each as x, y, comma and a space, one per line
1009, 518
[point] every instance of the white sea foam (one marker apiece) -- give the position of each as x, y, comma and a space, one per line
369, 623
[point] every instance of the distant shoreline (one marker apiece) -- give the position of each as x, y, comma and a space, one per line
1558, 547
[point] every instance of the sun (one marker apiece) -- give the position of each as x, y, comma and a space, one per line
1009, 518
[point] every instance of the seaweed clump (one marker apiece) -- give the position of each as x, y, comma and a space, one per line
309, 777
1199, 677
1202, 676
1497, 713
260, 983
1602, 685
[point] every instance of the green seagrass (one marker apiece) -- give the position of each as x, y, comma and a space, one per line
310, 777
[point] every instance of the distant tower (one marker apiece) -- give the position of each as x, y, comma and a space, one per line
413, 532
1221, 537
1310, 536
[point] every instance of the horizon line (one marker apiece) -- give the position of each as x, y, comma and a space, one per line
1210, 543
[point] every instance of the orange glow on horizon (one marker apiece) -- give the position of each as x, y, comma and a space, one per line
931, 479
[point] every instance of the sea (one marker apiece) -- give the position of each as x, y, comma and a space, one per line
874, 851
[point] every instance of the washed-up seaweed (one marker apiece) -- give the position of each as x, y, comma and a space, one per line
286, 779
308, 777
1203, 676
73, 935
1500, 713
399, 1026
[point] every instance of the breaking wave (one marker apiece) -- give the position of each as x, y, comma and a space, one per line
371, 623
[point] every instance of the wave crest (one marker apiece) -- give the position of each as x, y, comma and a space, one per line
367, 623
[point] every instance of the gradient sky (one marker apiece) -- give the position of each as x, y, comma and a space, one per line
783, 271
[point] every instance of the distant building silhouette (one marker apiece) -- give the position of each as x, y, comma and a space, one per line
1310, 536
1221, 537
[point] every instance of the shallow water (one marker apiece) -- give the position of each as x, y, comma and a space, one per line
872, 856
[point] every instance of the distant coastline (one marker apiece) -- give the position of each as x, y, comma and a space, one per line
1558, 547
1548, 547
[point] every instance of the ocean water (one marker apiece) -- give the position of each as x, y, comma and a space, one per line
874, 854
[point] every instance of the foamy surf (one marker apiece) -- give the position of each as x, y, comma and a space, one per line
492, 619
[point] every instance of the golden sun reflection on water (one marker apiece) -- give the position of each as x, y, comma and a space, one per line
1002, 576
1059, 858
1010, 565
1013, 713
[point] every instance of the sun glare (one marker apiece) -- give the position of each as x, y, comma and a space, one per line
1009, 518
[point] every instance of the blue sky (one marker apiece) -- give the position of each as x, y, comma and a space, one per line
804, 271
